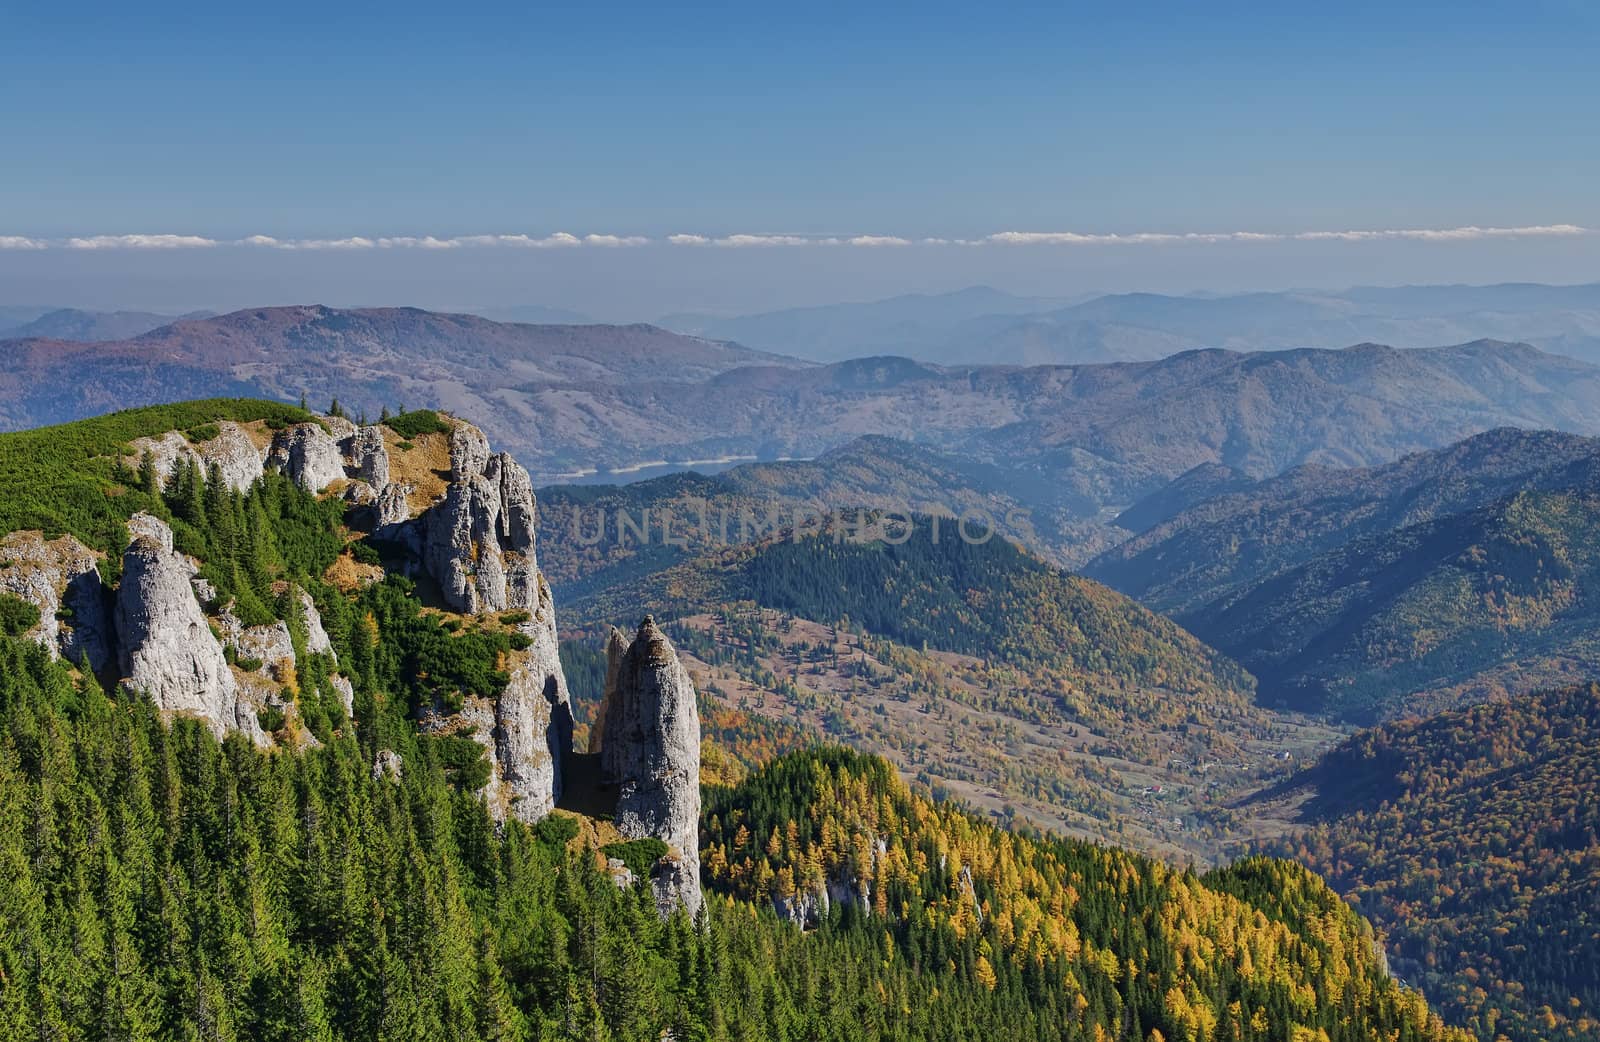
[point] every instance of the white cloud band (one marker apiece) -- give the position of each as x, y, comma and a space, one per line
565, 240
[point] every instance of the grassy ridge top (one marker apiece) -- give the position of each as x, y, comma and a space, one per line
62, 479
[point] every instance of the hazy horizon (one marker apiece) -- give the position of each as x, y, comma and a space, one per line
636, 285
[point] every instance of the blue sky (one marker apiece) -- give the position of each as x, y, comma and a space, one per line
329, 122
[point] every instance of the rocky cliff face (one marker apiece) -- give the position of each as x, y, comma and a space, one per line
651, 747
234, 455
308, 454
611, 756
479, 540
526, 731
392, 506
166, 647
61, 578
313, 455
368, 457
535, 717
168, 633
469, 452
232, 451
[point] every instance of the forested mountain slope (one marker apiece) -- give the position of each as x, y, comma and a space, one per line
321, 800
1241, 532
604, 535
161, 885
1443, 577
1473, 839
1499, 599
919, 581
981, 670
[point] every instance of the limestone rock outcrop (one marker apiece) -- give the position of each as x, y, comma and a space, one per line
393, 506
347, 693
61, 578
317, 642
164, 452
367, 456
388, 764
478, 543
267, 659
611, 756
181, 639
165, 646
651, 747
526, 731
533, 717
234, 454
469, 451
148, 526
479, 539
359, 493
339, 427
232, 451
270, 644
309, 455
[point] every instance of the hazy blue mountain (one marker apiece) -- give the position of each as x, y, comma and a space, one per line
985, 326
1562, 318
93, 326
534, 314
14, 315
913, 325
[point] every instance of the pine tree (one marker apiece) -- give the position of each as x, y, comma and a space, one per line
495, 1014
149, 475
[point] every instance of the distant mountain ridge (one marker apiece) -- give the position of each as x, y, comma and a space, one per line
1091, 438
1104, 435
368, 357
90, 326
982, 325
912, 324
1444, 577
1249, 530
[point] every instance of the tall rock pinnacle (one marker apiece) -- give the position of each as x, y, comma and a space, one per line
611, 765
650, 747
478, 542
